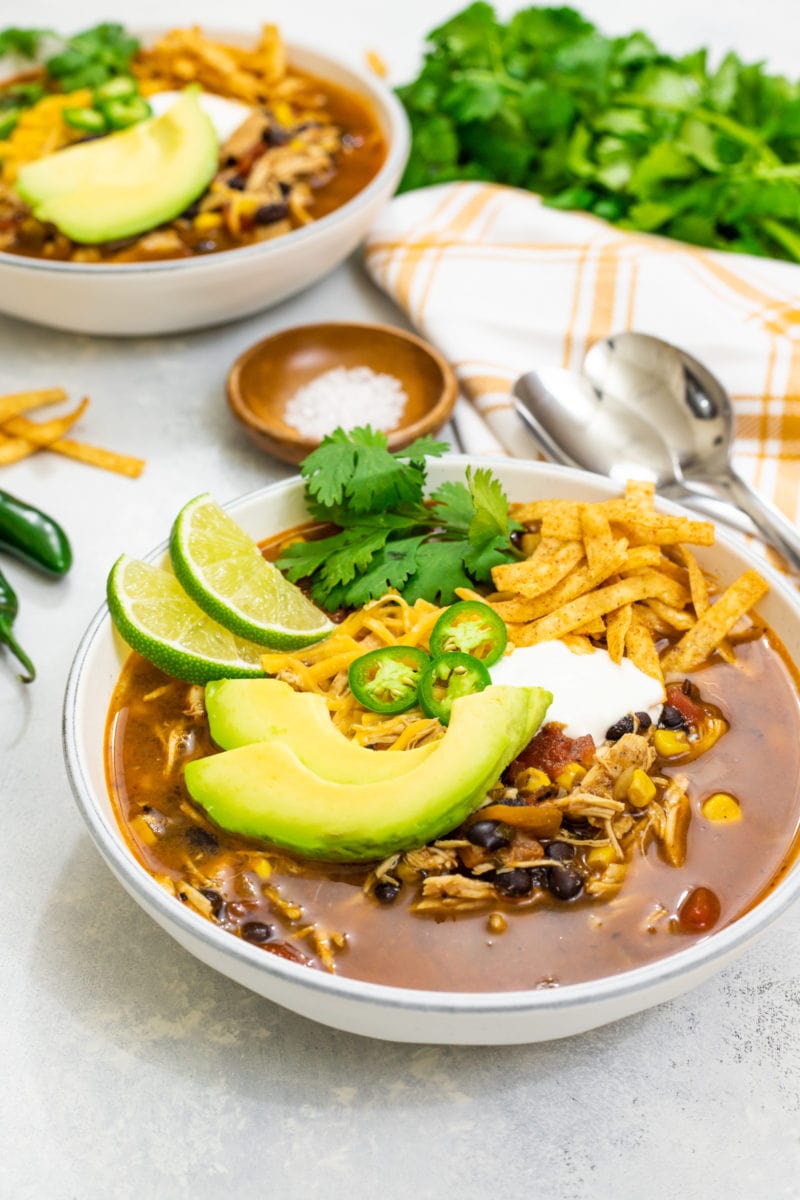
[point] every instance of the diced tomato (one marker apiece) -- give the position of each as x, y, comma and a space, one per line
685, 705
551, 750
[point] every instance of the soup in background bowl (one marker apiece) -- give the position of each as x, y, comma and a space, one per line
205, 268
416, 979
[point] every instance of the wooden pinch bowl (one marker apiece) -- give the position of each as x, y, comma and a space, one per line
265, 377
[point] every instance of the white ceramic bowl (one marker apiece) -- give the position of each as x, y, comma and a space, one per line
389, 1012
164, 297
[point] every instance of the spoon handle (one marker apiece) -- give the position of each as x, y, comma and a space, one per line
770, 523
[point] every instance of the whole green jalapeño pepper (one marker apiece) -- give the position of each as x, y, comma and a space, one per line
9, 607
33, 536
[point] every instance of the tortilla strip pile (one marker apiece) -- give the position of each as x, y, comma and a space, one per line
621, 574
20, 437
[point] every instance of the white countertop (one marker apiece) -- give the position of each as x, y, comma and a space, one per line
131, 1070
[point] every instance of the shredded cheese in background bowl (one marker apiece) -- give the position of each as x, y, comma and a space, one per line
346, 397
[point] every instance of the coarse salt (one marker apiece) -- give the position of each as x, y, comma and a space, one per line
346, 397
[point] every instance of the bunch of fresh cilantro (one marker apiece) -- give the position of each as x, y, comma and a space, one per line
390, 535
708, 154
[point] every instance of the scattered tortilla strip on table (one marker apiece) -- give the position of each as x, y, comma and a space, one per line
21, 437
696, 646
19, 402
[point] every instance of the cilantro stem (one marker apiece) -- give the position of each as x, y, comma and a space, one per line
748, 137
782, 235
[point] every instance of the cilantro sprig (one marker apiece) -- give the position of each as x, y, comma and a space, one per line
708, 153
389, 534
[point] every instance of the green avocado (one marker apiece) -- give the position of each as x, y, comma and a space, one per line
264, 791
128, 182
243, 711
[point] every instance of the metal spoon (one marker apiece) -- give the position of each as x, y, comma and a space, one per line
577, 426
653, 380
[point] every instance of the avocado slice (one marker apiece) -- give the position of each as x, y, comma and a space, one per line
242, 711
265, 792
128, 182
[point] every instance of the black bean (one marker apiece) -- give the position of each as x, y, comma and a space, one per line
564, 883
539, 878
386, 892
201, 839
561, 851
517, 882
267, 214
237, 182
672, 718
515, 802
619, 728
273, 135
191, 212
214, 899
644, 721
256, 931
485, 834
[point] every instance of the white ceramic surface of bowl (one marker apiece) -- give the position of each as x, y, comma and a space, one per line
130, 299
387, 1012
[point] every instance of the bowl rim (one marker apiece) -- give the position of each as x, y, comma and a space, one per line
398, 140
433, 417
662, 971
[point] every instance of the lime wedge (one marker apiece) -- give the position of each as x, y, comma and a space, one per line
156, 617
223, 570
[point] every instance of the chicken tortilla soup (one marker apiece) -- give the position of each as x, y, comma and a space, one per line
585, 760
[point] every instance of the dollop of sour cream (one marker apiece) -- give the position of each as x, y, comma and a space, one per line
590, 691
226, 115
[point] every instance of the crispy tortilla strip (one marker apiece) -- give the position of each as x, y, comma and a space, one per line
20, 402
696, 646
641, 647
662, 530
595, 628
642, 556
577, 643
27, 436
674, 618
546, 567
617, 625
576, 584
655, 624
597, 604
697, 581
597, 537
640, 495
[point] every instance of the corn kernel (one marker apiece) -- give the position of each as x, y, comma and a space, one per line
531, 779
206, 221
570, 775
721, 807
601, 856
263, 868
641, 789
669, 743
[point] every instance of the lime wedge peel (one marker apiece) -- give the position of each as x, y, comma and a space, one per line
156, 618
224, 572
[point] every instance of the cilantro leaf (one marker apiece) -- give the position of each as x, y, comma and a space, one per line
439, 571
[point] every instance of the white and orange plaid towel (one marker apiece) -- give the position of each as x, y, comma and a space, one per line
502, 284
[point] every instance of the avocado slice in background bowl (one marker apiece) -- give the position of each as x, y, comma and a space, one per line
126, 183
264, 791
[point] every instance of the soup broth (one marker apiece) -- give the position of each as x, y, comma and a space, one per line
311, 910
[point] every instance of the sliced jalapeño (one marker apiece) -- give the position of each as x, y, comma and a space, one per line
386, 680
448, 677
470, 627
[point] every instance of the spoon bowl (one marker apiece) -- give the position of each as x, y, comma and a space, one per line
668, 388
